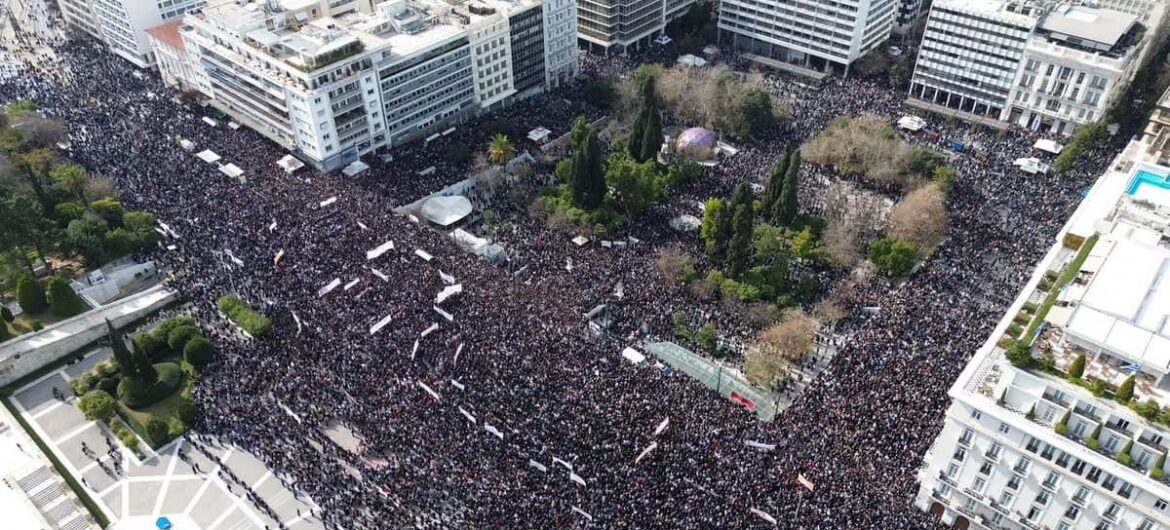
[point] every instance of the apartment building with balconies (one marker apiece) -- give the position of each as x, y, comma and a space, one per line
1062, 419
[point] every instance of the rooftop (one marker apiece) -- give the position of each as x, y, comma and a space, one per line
1102, 26
168, 33
1022, 12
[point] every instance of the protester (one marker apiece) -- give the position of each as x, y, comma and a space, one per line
572, 417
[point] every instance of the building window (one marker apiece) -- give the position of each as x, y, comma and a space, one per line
985, 468
1043, 497
1048, 452
1109, 483
1112, 511
1072, 513
1006, 498
1022, 465
1033, 514
1051, 480
1160, 504
1125, 491
1094, 475
1033, 445
975, 414
952, 470
1063, 459
1014, 482
979, 485
1081, 495
1146, 524
994, 451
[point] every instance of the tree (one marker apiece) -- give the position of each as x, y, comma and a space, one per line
1077, 367
754, 107
121, 353
804, 245
197, 352
775, 183
1156, 471
1123, 456
588, 168
97, 405
723, 230
900, 75
63, 301
186, 412
156, 430
178, 338
6, 314
739, 250
88, 236
34, 166
633, 184
500, 149
788, 341
1061, 426
709, 227
24, 227
1094, 438
920, 218
109, 209
769, 243
579, 133
71, 179
652, 137
786, 204
641, 122
1125, 390
31, 295
893, 257
707, 338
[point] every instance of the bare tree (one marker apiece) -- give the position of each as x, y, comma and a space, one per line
865, 146
786, 342
100, 186
674, 264
851, 215
920, 218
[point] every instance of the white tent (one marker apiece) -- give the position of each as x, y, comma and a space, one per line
446, 210
210, 121
231, 170
209, 156
1048, 146
691, 60
355, 168
911, 123
187, 144
539, 135
1031, 165
685, 223
290, 163
580, 240
633, 355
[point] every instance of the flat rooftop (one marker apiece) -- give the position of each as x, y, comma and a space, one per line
1103, 26
168, 33
1004, 10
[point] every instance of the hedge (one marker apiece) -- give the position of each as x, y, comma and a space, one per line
197, 352
237, 311
136, 396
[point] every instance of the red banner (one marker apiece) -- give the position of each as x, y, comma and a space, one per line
751, 405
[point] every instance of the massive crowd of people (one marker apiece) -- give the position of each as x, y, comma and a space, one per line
510, 415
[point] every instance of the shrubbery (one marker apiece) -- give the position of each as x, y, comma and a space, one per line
148, 344
245, 317
893, 257
63, 301
31, 295
97, 405
197, 352
136, 395
178, 338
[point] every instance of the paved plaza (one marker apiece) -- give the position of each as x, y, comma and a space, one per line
191, 494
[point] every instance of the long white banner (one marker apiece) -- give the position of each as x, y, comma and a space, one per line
379, 250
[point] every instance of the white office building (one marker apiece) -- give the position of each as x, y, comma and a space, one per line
612, 26
1042, 448
812, 34
333, 81
908, 14
1037, 64
122, 24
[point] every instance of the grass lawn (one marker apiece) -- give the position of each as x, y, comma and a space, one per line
166, 410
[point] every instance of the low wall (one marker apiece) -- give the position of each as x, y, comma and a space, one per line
23, 355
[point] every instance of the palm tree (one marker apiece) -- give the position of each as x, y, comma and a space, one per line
72, 179
500, 149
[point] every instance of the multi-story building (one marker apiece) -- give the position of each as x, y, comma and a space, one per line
122, 24
1035, 63
170, 54
909, 13
1046, 437
817, 34
332, 81
1156, 136
615, 25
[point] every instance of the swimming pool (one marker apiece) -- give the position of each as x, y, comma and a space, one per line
1144, 178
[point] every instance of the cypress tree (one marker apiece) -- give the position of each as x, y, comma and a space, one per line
63, 302
652, 137
122, 354
579, 181
31, 295
645, 111
723, 229
594, 173
786, 205
739, 250
772, 190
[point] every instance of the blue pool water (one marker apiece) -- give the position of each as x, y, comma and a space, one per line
1143, 178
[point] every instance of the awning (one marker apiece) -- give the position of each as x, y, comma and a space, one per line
210, 121
445, 211
539, 134
1048, 146
355, 168
1031, 165
633, 355
231, 170
209, 156
290, 163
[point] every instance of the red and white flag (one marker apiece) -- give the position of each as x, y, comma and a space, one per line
804, 482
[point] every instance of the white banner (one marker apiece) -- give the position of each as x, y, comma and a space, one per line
379, 274
488, 427
457, 384
430, 330
362, 226
298, 321
381, 324
764, 515
801, 480
458, 349
662, 426
415, 350
563, 463
582, 512
539, 467
447, 278
467, 415
446, 315
272, 226
329, 287
758, 445
379, 250
429, 390
645, 452
423, 254
276, 258
328, 201
448, 292
350, 285
576, 478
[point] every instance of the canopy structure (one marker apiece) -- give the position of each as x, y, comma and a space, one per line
209, 156
355, 168
1048, 146
691, 60
911, 123
231, 170
447, 210
711, 50
1031, 165
685, 223
632, 355
539, 135
580, 241
290, 163
210, 121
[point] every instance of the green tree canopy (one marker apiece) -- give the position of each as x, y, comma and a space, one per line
634, 184
97, 405
71, 179
63, 301
31, 295
892, 256
500, 149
